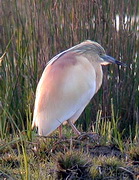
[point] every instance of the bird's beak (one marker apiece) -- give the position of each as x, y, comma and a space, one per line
108, 59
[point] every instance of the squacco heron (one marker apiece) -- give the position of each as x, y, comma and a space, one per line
67, 85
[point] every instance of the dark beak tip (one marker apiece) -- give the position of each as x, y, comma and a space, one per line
110, 59
120, 63
124, 65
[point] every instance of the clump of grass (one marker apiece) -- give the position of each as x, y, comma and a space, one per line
9, 160
42, 147
134, 153
73, 165
105, 167
108, 129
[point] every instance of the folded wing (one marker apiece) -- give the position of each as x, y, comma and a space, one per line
66, 86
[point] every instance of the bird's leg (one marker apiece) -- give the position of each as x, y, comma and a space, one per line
74, 128
60, 131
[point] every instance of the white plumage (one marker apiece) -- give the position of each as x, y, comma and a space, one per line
67, 85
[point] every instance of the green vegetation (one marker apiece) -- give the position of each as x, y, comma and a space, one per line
52, 158
31, 33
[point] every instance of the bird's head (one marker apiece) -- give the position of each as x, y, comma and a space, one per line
94, 51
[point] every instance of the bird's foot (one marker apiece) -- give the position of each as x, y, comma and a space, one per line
91, 136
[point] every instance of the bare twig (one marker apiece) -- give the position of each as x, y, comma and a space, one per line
131, 174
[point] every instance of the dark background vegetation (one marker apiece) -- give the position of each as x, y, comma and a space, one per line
32, 32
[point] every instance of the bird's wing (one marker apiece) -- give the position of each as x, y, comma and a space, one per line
66, 86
